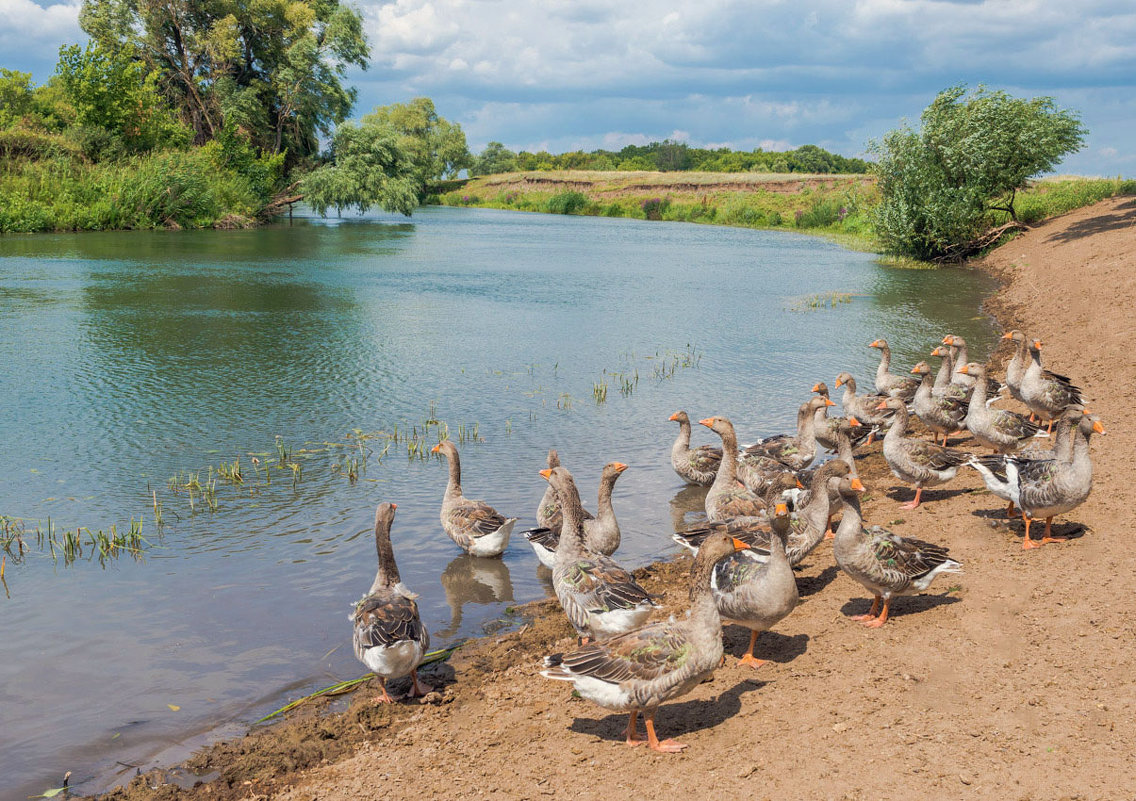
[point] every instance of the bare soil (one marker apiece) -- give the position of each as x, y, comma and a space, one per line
1012, 681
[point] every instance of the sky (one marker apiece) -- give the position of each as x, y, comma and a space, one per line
563, 75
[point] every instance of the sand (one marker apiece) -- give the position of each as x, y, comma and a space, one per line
1012, 681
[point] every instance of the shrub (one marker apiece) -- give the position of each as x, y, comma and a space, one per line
654, 208
567, 203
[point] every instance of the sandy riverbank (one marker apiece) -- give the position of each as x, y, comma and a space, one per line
1017, 684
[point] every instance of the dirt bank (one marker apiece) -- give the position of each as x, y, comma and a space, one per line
1015, 681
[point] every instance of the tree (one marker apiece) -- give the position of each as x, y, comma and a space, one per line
368, 168
275, 67
494, 159
971, 156
672, 156
16, 98
436, 147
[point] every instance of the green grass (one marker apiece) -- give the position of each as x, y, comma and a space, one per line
1054, 196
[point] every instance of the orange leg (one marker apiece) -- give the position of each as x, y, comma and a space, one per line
749, 658
871, 436
385, 698
418, 690
871, 612
830, 532
1049, 532
1011, 511
915, 503
1049, 429
879, 621
666, 746
633, 738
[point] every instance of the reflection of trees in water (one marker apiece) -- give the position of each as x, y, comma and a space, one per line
473, 580
687, 506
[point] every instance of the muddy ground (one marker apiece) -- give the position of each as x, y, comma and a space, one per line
1012, 681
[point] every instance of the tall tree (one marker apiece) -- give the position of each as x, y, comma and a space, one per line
275, 67
971, 156
368, 168
435, 146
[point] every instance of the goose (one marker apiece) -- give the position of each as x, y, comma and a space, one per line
1047, 394
757, 592
887, 383
826, 427
1001, 429
915, 461
548, 510
1016, 368
862, 407
797, 452
885, 563
726, 497
389, 637
693, 465
942, 415
1000, 471
601, 532
600, 598
1048, 490
639, 670
475, 526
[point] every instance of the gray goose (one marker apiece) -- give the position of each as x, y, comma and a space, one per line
862, 407
917, 462
797, 452
962, 383
601, 532
885, 563
1016, 367
693, 465
827, 428
727, 498
1047, 394
940, 414
1048, 490
478, 528
754, 591
639, 670
388, 636
1001, 429
600, 598
887, 382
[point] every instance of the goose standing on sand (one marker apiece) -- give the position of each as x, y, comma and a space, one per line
600, 598
389, 637
885, 563
1016, 367
1000, 471
601, 532
795, 451
757, 592
693, 465
914, 461
637, 671
1047, 394
1054, 489
726, 497
1001, 429
887, 382
474, 525
942, 415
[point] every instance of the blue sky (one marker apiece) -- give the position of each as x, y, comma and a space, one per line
568, 74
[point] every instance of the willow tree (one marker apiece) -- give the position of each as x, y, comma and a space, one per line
368, 168
274, 68
435, 146
970, 157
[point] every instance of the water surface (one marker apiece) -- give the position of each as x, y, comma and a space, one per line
132, 357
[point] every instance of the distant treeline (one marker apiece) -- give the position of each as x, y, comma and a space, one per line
668, 156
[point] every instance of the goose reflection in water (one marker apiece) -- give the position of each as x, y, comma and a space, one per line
688, 506
474, 580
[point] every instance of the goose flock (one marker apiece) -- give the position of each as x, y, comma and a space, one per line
767, 507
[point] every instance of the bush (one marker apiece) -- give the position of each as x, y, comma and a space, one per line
654, 208
567, 203
824, 212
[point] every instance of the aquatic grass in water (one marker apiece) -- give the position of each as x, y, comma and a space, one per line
18, 542
822, 300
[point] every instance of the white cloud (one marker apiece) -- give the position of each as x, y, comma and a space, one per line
30, 34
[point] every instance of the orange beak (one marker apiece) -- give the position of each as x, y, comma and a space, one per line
1008, 335
816, 387
828, 402
852, 421
546, 473
883, 405
436, 448
394, 506
780, 509
708, 422
857, 485
948, 339
1037, 344
620, 467
739, 545
875, 344
915, 369
1098, 427
799, 484
963, 370
674, 417
838, 383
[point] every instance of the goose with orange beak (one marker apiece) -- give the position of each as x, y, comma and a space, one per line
1047, 394
886, 564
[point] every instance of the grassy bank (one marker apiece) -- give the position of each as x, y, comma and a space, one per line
46, 187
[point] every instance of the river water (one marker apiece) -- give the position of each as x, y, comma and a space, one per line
137, 360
